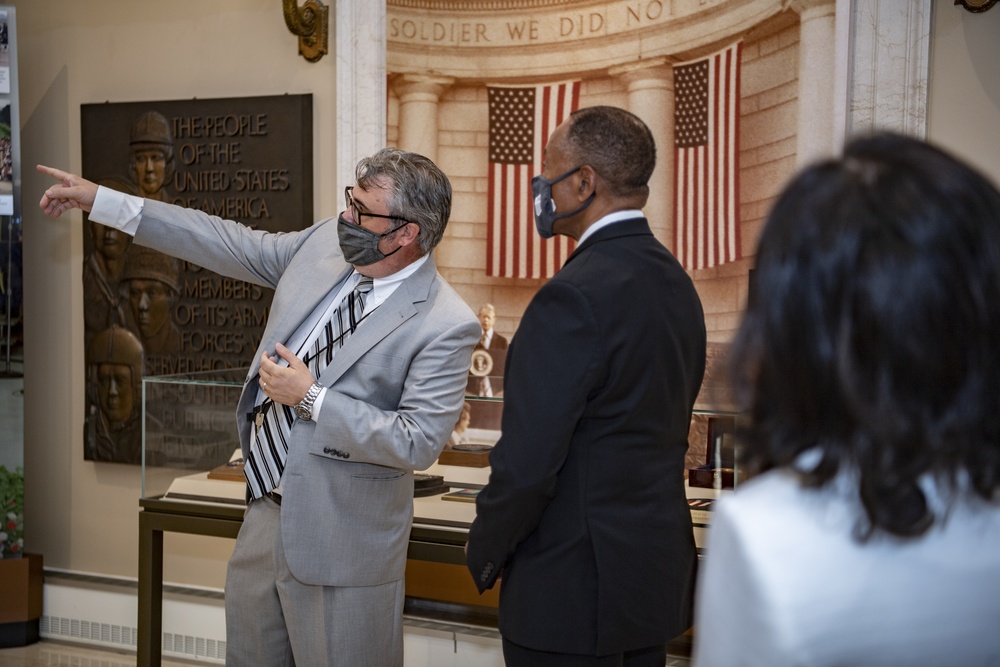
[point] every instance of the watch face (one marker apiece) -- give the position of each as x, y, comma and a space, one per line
302, 412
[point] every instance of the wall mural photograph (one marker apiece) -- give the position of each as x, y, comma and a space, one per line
737, 95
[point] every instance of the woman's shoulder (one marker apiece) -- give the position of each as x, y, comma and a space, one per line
776, 509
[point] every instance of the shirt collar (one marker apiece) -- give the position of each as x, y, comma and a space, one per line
609, 219
383, 287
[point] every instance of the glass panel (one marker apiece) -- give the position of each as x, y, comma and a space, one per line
189, 424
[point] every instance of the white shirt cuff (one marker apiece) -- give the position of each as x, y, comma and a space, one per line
117, 209
317, 404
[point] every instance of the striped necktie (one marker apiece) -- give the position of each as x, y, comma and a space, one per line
269, 447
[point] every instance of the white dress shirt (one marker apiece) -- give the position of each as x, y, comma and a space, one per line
784, 582
609, 219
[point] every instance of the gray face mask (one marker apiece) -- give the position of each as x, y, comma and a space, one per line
545, 208
360, 245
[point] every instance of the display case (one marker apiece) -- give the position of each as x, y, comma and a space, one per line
191, 452
189, 437
189, 431
713, 458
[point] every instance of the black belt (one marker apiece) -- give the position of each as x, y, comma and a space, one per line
276, 497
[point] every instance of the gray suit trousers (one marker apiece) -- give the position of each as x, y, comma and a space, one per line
273, 620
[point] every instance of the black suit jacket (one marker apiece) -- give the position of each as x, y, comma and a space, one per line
498, 353
497, 342
585, 514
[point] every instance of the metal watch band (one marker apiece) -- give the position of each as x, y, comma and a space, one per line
305, 408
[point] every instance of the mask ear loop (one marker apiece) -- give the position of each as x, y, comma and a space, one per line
579, 209
583, 182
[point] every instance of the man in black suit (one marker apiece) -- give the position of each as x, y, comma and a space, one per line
584, 517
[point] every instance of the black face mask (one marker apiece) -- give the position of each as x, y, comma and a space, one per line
545, 208
360, 245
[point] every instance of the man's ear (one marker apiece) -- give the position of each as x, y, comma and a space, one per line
588, 182
408, 233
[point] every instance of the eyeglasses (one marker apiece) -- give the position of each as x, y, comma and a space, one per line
356, 213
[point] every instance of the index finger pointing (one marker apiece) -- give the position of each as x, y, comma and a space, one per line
57, 174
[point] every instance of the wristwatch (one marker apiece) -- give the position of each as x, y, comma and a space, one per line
305, 408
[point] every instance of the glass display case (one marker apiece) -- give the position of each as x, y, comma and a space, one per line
189, 442
713, 457
191, 450
189, 436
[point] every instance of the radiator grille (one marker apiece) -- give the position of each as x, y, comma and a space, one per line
123, 637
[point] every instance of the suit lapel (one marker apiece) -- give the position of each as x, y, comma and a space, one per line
285, 317
397, 309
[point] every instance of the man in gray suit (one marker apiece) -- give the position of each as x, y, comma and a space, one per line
316, 577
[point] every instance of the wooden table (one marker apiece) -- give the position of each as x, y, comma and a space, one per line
159, 516
438, 540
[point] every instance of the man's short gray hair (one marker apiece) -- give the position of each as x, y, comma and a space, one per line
419, 191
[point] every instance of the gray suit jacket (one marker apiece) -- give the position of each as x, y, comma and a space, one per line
395, 390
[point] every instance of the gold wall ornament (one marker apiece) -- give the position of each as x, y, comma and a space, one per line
311, 23
977, 6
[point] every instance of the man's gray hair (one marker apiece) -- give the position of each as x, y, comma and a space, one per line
419, 191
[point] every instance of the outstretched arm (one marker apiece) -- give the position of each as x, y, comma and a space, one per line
73, 192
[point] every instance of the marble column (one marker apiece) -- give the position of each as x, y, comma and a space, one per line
419, 95
650, 86
890, 60
817, 52
361, 87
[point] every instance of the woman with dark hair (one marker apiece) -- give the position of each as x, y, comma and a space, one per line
868, 368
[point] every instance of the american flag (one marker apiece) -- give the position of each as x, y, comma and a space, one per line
521, 120
706, 153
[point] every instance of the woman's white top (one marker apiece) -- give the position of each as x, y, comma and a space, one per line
784, 582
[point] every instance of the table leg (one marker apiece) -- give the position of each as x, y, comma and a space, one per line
150, 639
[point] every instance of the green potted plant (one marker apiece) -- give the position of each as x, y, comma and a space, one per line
11, 512
20, 573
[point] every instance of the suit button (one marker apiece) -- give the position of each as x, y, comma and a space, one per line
327, 450
347, 455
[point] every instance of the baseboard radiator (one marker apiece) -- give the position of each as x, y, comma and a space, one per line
101, 611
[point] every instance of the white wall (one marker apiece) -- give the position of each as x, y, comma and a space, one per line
963, 110
83, 515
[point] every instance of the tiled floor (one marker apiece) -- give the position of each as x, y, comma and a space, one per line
56, 654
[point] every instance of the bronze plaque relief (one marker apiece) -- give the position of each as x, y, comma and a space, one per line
146, 314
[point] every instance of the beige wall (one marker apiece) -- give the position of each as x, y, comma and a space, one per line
83, 515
